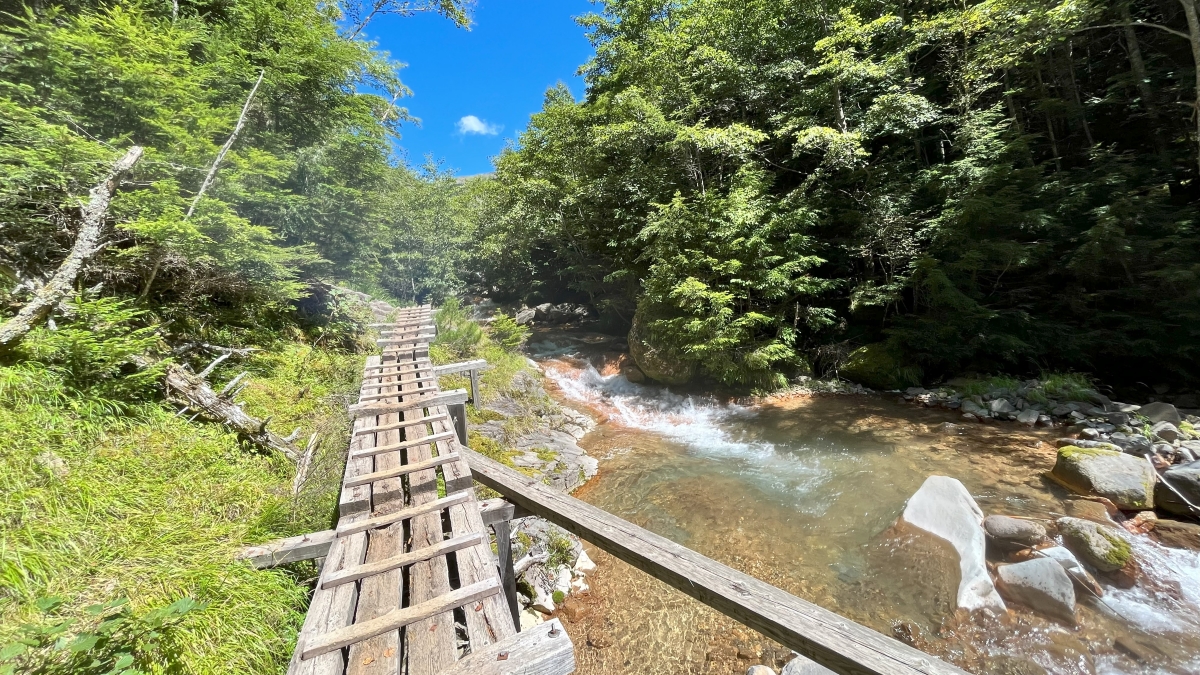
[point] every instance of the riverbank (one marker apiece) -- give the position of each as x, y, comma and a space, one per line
803, 491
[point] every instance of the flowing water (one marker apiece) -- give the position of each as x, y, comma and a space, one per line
803, 494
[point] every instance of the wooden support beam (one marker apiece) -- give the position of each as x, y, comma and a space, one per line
428, 419
451, 397
817, 633
289, 550
461, 367
348, 528
545, 650
508, 577
397, 618
403, 470
402, 560
458, 413
396, 447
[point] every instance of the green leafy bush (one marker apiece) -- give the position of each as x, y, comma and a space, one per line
113, 640
506, 332
457, 333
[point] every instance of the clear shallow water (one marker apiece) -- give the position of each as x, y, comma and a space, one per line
804, 494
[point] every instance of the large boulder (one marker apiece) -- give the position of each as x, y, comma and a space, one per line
1083, 579
804, 666
1179, 485
944, 508
874, 366
1041, 585
1160, 412
1104, 548
654, 357
1126, 480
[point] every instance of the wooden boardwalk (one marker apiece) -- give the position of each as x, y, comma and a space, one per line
410, 584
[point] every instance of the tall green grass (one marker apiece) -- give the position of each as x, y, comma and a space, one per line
154, 508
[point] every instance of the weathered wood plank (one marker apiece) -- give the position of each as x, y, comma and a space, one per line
289, 550
461, 367
403, 423
357, 499
371, 568
398, 618
394, 367
428, 378
817, 633
545, 650
348, 528
413, 403
396, 447
330, 610
404, 470
430, 642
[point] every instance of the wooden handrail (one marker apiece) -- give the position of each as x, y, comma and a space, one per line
817, 633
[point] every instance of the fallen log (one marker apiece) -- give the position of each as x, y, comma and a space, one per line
189, 389
93, 216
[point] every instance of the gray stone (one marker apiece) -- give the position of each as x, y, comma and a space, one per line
1124, 479
1061, 410
803, 666
1013, 533
55, 465
1028, 416
1160, 412
760, 670
1083, 579
1104, 548
945, 509
526, 315
1090, 434
1040, 584
1045, 420
1002, 406
969, 406
1166, 431
1179, 483
1117, 418
1080, 443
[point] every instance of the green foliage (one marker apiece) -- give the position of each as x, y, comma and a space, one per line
561, 550
506, 332
987, 187
114, 641
558, 597
94, 352
456, 332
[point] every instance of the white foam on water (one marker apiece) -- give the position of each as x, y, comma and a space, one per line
1161, 612
703, 425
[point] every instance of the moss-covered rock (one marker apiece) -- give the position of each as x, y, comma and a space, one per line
1101, 547
875, 366
656, 359
1126, 480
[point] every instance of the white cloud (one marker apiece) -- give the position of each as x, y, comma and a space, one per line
473, 125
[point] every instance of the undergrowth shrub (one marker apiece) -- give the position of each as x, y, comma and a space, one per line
457, 334
112, 640
506, 332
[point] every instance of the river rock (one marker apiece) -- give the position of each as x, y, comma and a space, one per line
653, 356
1083, 443
525, 315
1126, 480
1028, 416
805, 666
1160, 412
1177, 534
1094, 511
1166, 431
634, 374
945, 509
1083, 579
1185, 481
973, 408
1104, 548
1041, 585
760, 670
1013, 533
1001, 406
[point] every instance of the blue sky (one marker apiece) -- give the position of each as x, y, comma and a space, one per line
474, 89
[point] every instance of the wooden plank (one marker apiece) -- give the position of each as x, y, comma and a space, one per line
413, 403
545, 650
330, 610
367, 398
377, 367
508, 576
381, 385
384, 592
289, 550
819, 634
496, 510
394, 447
398, 618
344, 529
357, 499
404, 470
430, 329
461, 367
492, 620
403, 423
431, 644
402, 342
397, 561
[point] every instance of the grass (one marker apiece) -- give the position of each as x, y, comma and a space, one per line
154, 508
1053, 386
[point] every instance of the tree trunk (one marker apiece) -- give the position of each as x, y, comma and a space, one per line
88, 243
1193, 22
1138, 65
839, 114
193, 391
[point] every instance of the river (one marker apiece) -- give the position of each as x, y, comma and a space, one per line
803, 493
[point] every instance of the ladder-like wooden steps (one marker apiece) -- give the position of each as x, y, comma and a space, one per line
410, 583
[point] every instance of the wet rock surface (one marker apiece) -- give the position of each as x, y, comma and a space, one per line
1009, 533
1125, 480
1104, 548
1040, 584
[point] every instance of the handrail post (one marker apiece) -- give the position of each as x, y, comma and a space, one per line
508, 577
474, 389
458, 413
